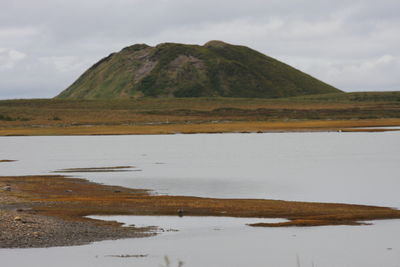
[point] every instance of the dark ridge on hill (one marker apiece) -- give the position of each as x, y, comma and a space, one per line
180, 70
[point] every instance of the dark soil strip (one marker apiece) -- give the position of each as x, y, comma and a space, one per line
98, 169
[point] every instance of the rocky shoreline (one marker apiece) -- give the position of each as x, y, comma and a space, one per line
23, 230
51, 210
22, 227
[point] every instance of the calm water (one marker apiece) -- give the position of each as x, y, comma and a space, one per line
330, 167
216, 244
326, 167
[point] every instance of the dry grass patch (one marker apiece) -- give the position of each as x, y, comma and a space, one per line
156, 115
216, 127
72, 199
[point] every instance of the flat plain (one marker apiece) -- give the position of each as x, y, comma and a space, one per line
341, 111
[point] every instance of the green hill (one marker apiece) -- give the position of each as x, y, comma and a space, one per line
179, 70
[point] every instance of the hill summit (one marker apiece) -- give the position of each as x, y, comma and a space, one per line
179, 70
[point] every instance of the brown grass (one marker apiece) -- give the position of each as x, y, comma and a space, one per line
165, 116
72, 199
222, 127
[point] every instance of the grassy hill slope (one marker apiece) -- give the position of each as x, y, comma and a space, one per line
179, 70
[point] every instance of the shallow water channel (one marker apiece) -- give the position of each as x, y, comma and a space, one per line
358, 168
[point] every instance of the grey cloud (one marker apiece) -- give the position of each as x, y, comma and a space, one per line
332, 40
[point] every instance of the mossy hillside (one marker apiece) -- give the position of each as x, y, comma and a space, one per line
179, 70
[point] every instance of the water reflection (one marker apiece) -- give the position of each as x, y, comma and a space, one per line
332, 167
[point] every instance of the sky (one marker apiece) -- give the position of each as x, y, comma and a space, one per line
351, 44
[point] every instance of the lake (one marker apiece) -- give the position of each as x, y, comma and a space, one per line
361, 168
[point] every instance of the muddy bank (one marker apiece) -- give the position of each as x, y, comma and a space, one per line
42, 211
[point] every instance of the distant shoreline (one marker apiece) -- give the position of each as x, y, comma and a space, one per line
206, 128
331, 112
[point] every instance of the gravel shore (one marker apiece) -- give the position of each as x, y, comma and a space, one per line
22, 230
21, 227
51, 210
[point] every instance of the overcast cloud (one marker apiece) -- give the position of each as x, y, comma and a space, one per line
46, 44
